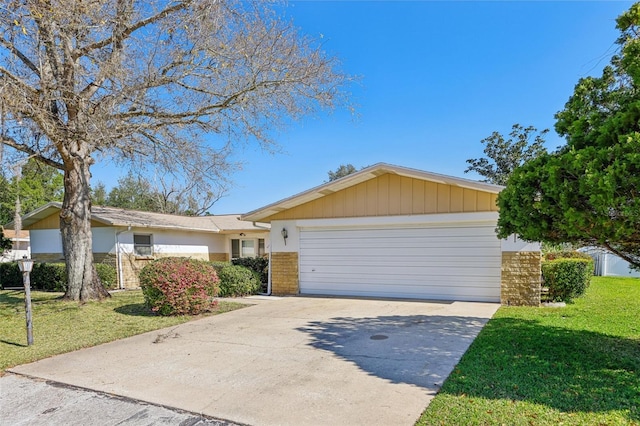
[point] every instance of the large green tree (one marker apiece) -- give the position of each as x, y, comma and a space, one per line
36, 185
588, 192
504, 155
342, 171
147, 84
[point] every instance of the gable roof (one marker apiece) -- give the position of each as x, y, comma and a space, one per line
113, 216
362, 176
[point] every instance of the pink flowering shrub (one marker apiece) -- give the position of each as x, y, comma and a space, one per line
179, 286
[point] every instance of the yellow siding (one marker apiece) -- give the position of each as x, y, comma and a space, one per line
391, 194
53, 222
49, 222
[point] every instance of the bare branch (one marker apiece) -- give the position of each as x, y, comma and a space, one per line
30, 151
127, 31
13, 49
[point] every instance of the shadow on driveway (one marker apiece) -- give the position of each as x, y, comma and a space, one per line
416, 349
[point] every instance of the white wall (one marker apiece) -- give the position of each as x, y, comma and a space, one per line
103, 240
175, 242
45, 241
277, 242
513, 243
164, 241
50, 240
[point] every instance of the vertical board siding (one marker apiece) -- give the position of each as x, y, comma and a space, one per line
390, 195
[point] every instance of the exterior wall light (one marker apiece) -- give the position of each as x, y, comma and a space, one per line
285, 235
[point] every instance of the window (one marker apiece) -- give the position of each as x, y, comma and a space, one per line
235, 249
246, 248
142, 245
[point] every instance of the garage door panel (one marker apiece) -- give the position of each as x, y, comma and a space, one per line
418, 271
445, 292
405, 232
339, 252
399, 242
394, 279
452, 262
407, 262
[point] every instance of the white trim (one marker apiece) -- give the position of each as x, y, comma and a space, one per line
480, 217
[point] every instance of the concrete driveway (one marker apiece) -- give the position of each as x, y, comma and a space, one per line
287, 361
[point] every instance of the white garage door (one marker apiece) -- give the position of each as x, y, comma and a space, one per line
451, 262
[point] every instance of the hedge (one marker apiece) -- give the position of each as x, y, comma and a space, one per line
566, 254
257, 264
567, 278
237, 281
50, 276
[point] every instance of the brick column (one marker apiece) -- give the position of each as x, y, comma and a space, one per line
521, 278
284, 273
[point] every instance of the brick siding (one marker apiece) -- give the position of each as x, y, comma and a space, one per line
521, 278
284, 273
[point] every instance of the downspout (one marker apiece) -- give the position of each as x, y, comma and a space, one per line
269, 270
268, 293
119, 258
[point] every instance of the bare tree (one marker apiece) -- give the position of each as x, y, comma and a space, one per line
146, 83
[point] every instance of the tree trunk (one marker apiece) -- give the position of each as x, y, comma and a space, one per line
75, 226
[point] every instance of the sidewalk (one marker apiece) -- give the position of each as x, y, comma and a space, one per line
36, 402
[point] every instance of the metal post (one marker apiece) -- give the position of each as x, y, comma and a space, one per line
26, 265
27, 303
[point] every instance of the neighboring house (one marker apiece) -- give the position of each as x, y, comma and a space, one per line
390, 231
19, 247
129, 239
608, 264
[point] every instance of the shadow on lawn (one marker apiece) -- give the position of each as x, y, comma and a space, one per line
135, 309
417, 349
13, 297
568, 370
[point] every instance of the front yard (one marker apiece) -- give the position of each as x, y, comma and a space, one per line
60, 326
578, 365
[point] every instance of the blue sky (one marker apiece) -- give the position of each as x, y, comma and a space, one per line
436, 78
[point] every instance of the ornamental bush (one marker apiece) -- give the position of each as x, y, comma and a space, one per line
179, 286
236, 281
567, 278
259, 264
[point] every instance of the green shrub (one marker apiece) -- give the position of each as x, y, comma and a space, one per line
219, 265
10, 275
108, 275
257, 264
238, 281
179, 286
567, 278
49, 277
566, 254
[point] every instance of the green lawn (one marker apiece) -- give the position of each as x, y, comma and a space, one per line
61, 326
578, 365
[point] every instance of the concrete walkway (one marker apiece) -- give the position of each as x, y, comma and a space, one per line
33, 402
290, 361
